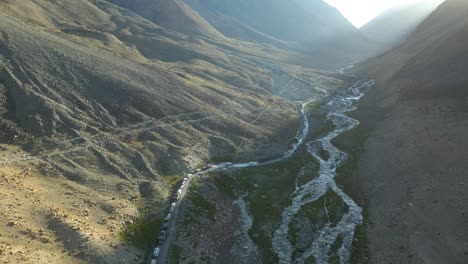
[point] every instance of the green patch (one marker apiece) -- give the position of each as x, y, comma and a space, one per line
333, 257
201, 205
142, 232
327, 210
324, 154
206, 259
311, 260
175, 253
315, 105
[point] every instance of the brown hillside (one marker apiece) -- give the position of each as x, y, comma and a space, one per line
112, 109
171, 14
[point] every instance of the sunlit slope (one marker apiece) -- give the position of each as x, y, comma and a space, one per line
109, 73
171, 14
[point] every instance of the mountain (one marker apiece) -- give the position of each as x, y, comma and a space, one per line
395, 24
418, 116
102, 110
171, 14
304, 25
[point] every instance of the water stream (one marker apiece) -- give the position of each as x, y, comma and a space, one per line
313, 190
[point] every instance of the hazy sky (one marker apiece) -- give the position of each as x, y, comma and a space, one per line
360, 12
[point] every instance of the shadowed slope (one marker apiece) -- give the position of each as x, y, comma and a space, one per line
417, 190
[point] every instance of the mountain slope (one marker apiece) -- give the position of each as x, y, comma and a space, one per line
112, 109
171, 14
395, 24
307, 26
417, 195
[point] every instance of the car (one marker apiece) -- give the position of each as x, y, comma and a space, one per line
253, 163
179, 192
173, 205
155, 253
189, 175
153, 261
165, 226
171, 209
162, 236
186, 179
227, 164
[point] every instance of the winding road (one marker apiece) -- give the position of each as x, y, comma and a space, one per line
337, 105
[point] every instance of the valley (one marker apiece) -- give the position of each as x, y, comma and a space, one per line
314, 183
232, 131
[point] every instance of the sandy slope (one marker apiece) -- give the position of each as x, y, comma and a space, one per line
48, 219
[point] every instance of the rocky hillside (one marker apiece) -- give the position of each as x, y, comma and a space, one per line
394, 25
417, 194
113, 107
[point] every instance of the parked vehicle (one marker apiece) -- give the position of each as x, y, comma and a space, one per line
189, 175
153, 261
173, 205
165, 226
228, 164
186, 178
162, 236
179, 192
155, 252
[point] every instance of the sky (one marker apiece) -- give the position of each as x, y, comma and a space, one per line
360, 12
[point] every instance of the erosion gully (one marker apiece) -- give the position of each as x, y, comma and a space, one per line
337, 105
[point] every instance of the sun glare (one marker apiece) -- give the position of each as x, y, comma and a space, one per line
359, 12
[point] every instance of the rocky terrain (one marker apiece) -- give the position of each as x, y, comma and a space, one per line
110, 107
413, 168
48, 219
104, 105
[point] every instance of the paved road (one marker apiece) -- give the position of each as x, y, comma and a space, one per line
298, 140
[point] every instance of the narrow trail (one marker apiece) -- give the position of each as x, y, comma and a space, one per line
313, 190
